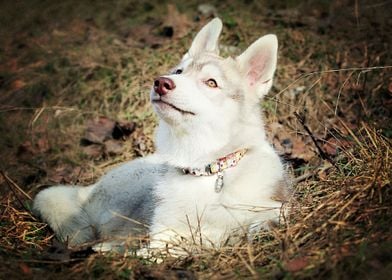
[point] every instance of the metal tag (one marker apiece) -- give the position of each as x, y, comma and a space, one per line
219, 182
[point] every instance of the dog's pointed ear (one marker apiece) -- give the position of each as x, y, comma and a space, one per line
258, 63
207, 38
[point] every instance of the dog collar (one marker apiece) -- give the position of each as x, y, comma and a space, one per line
217, 167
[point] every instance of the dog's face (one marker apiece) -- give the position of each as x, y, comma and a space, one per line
206, 92
197, 91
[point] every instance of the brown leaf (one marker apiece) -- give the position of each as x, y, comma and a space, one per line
102, 137
14, 65
113, 147
277, 134
333, 145
27, 148
99, 130
302, 150
143, 35
123, 129
42, 145
64, 174
178, 23
155, 33
349, 126
25, 268
345, 251
94, 151
289, 145
102, 129
17, 84
296, 264
324, 170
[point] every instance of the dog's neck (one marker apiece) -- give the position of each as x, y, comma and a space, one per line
182, 149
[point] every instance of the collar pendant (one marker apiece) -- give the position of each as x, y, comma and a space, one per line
219, 182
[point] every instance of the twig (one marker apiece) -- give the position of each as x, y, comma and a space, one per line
305, 75
303, 177
323, 155
10, 182
247, 265
12, 186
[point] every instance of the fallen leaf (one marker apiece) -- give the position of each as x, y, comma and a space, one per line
287, 146
102, 137
276, 134
302, 150
64, 174
27, 148
93, 151
98, 130
349, 126
102, 129
155, 33
43, 144
17, 84
290, 146
296, 264
376, 264
297, 36
13, 65
123, 129
143, 35
333, 146
324, 170
25, 268
345, 250
113, 147
178, 23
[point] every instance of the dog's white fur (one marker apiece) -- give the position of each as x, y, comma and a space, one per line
212, 123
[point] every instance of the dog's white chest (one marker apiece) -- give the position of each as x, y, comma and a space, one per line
188, 192
190, 203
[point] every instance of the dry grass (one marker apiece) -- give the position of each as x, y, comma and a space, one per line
336, 226
62, 65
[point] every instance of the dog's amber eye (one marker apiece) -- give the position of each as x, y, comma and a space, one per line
211, 83
178, 71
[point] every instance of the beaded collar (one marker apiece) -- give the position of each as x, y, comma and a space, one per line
217, 167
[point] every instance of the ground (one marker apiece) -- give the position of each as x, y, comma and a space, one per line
74, 84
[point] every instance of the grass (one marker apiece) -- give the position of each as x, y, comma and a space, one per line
63, 64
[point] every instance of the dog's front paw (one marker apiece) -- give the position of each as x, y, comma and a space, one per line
110, 246
151, 255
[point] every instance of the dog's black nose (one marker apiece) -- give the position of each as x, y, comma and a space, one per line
163, 85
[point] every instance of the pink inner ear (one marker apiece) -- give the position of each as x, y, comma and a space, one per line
256, 69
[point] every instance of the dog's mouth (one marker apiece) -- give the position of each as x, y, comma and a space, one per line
160, 101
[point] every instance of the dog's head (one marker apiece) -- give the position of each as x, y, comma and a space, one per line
214, 96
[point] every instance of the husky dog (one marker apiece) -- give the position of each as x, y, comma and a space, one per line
213, 175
